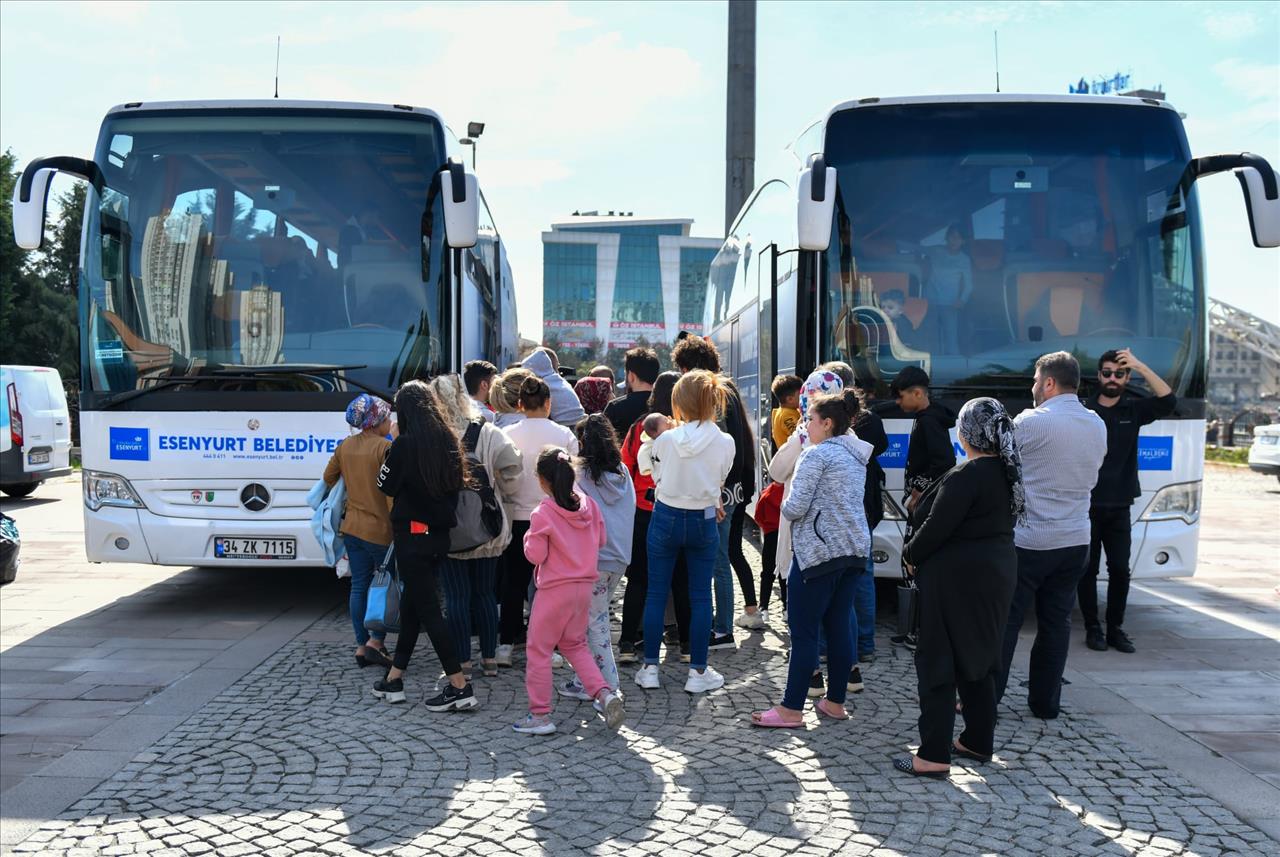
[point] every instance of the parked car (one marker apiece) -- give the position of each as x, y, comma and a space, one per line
1264, 455
35, 428
9, 545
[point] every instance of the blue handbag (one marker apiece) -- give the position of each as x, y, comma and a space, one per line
382, 615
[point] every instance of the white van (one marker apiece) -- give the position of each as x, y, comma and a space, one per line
35, 428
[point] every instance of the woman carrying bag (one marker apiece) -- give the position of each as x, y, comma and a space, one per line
967, 570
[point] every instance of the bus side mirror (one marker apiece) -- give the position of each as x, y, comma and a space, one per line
815, 204
461, 195
1263, 207
31, 195
28, 213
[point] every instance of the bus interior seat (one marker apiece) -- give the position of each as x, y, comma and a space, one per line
1053, 299
914, 307
987, 253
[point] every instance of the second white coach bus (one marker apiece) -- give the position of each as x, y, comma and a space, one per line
247, 267
1076, 218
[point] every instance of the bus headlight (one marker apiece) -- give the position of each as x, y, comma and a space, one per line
107, 489
1173, 502
892, 511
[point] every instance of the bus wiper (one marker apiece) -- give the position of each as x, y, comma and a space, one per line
235, 375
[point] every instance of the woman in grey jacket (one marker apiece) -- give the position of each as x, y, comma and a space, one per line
830, 540
603, 477
467, 580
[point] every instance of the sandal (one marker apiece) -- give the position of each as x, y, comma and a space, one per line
824, 713
373, 658
906, 764
957, 750
771, 719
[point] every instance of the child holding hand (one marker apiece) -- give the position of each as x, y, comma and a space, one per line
566, 533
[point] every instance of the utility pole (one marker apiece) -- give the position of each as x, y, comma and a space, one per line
740, 118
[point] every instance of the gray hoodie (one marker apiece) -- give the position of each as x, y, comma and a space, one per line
617, 502
565, 407
829, 524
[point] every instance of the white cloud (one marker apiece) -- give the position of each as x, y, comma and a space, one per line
1255, 81
1230, 26
127, 11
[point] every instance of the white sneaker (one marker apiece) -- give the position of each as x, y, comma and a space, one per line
647, 676
557, 660
706, 680
535, 724
764, 617
503, 656
610, 705
750, 621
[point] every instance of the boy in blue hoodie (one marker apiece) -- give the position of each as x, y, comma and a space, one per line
565, 407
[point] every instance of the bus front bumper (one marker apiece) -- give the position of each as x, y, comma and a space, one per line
114, 534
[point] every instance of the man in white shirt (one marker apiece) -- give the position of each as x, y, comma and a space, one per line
478, 377
1062, 444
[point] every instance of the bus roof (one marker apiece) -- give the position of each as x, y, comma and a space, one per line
269, 104
998, 97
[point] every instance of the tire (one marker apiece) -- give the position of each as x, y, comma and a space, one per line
19, 491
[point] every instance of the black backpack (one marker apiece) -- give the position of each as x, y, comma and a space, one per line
479, 514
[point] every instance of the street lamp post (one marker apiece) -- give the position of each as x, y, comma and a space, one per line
474, 130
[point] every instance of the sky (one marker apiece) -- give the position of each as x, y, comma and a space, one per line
620, 105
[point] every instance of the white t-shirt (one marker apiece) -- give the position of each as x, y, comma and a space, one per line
531, 435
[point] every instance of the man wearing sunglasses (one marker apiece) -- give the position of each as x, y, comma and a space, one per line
1117, 487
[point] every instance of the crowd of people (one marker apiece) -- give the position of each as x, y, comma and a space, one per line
513, 505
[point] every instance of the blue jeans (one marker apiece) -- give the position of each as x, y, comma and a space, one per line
864, 610
822, 604
364, 558
722, 619
671, 530
468, 590
861, 618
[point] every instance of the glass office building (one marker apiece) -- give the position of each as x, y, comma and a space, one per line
621, 279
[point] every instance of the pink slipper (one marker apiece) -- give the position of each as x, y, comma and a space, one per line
771, 719
822, 711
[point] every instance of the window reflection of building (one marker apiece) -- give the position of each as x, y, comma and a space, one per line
261, 326
170, 247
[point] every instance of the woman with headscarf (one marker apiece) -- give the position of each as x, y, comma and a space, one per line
594, 393
967, 571
366, 521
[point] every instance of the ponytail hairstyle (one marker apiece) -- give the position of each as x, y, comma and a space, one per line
556, 468
841, 408
699, 396
599, 446
534, 393
504, 393
432, 442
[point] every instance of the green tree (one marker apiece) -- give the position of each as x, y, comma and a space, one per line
38, 323
60, 266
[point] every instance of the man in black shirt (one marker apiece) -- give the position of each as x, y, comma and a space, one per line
930, 453
1117, 486
642, 368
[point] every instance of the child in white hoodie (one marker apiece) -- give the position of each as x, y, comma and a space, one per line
690, 464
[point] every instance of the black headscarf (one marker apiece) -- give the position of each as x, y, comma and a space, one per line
985, 426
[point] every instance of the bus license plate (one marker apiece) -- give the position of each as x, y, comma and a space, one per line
235, 547
38, 458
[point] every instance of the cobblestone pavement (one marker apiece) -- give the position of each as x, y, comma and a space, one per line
296, 758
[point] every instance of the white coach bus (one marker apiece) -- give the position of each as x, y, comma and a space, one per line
1078, 217
247, 267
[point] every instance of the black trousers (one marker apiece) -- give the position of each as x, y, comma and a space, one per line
1109, 531
1048, 579
938, 712
420, 605
768, 560
638, 586
738, 559
517, 571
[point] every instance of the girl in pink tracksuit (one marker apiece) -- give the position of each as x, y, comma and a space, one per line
566, 532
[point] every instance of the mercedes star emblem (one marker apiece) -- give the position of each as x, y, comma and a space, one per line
255, 497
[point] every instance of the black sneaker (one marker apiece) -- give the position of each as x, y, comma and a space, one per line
1119, 640
722, 641
626, 652
671, 635
867, 658
907, 641
390, 690
855, 681
816, 686
1094, 639
453, 699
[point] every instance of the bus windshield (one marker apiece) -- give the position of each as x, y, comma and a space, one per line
252, 250
971, 238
